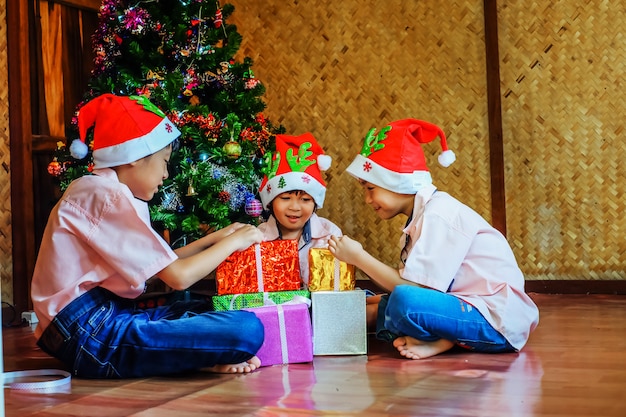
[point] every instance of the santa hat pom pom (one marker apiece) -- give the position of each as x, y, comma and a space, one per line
446, 158
78, 149
324, 162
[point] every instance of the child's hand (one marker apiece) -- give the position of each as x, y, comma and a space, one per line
245, 235
345, 249
227, 231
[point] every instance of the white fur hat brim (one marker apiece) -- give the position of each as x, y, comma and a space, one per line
292, 181
403, 183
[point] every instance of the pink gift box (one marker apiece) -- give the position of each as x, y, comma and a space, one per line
288, 336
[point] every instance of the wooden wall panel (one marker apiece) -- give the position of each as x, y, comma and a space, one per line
563, 66
6, 231
52, 66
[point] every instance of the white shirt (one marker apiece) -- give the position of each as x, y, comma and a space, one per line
98, 234
453, 249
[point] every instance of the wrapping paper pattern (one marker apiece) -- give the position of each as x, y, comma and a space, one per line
339, 323
327, 273
265, 267
287, 334
257, 299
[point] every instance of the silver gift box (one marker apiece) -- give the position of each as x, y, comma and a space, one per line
339, 323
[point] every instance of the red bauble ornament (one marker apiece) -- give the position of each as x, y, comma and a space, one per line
55, 168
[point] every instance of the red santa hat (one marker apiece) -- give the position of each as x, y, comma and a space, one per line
394, 159
296, 165
126, 129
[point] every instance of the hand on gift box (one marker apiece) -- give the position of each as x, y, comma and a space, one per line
226, 231
346, 249
246, 235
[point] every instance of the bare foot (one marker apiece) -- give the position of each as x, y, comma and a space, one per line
412, 348
239, 368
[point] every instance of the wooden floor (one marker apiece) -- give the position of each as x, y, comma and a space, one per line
574, 365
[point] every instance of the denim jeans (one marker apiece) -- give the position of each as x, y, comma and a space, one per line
429, 315
101, 335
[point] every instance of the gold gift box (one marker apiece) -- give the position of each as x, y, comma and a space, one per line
327, 273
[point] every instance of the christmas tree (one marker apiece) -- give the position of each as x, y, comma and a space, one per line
180, 54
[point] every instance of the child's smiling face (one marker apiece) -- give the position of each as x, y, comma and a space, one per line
292, 209
387, 204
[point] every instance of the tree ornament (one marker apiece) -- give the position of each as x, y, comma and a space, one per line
224, 196
218, 19
232, 149
254, 208
251, 83
170, 200
55, 168
191, 191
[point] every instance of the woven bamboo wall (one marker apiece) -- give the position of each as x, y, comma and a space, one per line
562, 68
337, 69
6, 262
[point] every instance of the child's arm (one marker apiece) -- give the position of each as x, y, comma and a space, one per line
207, 241
201, 257
352, 252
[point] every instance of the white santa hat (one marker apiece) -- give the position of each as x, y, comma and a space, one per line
394, 159
296, 165
126, 129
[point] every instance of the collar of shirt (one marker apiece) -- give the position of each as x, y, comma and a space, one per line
140, 206
421, 198
318, 229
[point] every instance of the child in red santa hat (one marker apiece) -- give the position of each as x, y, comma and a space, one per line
458, 282
99, 249
292, 190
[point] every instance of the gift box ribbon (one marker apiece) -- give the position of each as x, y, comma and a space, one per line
337, 279
259, 267
282, 329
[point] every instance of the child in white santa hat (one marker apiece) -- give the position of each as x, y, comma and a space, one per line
99, 249
291, 191
458, 282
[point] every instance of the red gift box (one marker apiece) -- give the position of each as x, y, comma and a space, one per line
264, 267
288, 337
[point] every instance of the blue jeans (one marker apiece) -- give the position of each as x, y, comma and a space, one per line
101, 335
429, 315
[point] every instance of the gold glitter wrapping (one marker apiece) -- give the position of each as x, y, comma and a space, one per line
323, 272
280, 269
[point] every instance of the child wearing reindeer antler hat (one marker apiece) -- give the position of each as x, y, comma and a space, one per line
99, 249
291, 191
458, 282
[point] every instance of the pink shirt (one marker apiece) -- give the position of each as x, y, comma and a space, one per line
321, 231
453, 249
98, 234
